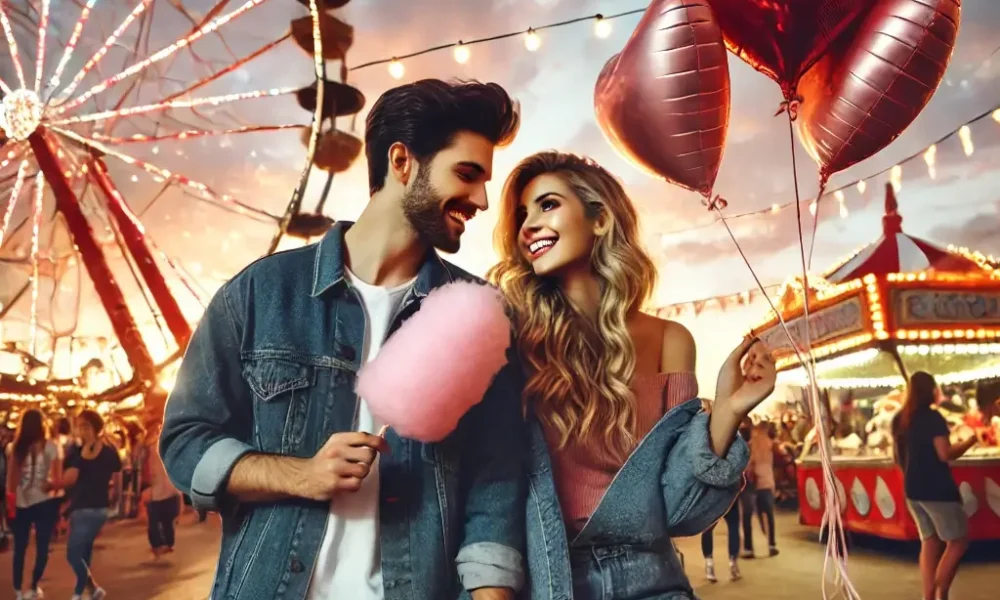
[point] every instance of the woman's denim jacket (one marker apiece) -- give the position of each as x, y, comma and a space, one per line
272, 369
673, 485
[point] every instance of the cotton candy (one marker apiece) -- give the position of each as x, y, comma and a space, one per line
440, 362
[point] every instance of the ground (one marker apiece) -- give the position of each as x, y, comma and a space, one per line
124, 566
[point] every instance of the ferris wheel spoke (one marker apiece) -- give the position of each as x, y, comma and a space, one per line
223, 199
43, 27
229, 69
54, 81
12, 44
12, 200
36, 222
162, 106
191, 134
102, 51
142, 65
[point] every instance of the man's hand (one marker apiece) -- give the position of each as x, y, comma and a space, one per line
340, 465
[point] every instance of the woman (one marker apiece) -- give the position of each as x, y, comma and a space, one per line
88, 471
35, 473
923, 450
761, 472
621, 455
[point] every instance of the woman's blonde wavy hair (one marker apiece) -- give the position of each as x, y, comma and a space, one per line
579, 372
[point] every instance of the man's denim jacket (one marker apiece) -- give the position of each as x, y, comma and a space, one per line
272, 369
673, 485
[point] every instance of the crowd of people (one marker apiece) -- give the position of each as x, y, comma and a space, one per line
68, 477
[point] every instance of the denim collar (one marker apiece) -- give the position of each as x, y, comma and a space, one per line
328, 267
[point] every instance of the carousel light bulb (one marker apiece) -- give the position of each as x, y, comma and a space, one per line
462, 53
996, 115
929, 158
531, 41
396, 69
896, 178
20, 114
602, 27
861, 186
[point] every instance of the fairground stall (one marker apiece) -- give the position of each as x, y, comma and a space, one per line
896, 306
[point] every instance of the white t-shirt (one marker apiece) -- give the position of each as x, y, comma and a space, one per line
34, 475
349, 564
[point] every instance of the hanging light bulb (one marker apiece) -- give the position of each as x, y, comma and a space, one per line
861, 186
602, 27
996, 115
896, 178
396, 69
929, 158
531, 41
812, 208
965, 134
839, 195
461, 53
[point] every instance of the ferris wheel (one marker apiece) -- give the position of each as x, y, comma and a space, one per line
113, 110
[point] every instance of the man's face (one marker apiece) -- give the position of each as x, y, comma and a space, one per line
449, 190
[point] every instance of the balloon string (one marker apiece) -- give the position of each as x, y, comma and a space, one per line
812, 240
832, 511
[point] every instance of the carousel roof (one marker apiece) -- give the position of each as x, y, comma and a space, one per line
897, 252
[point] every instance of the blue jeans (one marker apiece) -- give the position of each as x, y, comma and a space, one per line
42, 517
84, 525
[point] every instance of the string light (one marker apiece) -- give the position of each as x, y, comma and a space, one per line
896, 178
12, 200
36, 222
71, 44
840, 201
396, 69
532, 41
965, 135
929, 157
461, 53
861, 186
602, 27
996, 115
12, 44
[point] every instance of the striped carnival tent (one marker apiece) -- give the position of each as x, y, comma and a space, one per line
897, 252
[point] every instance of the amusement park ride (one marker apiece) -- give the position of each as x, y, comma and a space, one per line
57, 143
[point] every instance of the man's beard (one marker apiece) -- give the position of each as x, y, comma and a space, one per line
424, 209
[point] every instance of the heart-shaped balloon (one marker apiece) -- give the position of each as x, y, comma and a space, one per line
875, 81
663, 101
783, 38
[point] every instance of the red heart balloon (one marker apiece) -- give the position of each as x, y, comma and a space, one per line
875, 82
663, 101
783, 38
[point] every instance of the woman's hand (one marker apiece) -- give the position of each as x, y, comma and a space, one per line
741, 386
746, 378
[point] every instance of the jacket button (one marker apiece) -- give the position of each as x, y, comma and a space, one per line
296, 566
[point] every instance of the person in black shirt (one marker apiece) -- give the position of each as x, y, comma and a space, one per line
89, 471
923, 451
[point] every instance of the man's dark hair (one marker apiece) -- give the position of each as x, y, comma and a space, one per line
94, 419
425, 116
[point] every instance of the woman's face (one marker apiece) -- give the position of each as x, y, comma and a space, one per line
86, 432
556, 232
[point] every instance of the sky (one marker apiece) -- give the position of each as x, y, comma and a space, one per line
554, 85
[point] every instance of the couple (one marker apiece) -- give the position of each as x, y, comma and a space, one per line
587, 453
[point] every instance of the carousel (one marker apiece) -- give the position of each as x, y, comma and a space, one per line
894, 307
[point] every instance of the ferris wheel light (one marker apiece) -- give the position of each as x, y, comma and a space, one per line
396, 69
602, 27
531, 41
21, 114
462, 53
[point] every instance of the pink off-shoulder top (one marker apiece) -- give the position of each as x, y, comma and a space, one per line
583, 473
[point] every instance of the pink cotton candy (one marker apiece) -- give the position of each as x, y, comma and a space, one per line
440, 362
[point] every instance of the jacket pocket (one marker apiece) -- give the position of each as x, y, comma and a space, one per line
281, 390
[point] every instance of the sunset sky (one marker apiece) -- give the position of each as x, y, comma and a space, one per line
555, 88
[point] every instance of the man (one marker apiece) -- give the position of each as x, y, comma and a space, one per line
264, 425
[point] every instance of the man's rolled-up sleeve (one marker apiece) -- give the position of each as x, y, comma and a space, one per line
208, 420
491, 551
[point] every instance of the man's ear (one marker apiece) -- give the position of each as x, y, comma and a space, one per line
401, 163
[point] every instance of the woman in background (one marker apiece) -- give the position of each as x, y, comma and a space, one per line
164, 499
35, 472
621, 455
923, 450
88, 471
